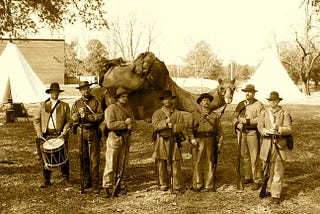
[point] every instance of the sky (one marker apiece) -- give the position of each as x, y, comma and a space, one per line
236, 30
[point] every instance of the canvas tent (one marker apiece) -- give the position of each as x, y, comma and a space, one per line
272, 76
17, 79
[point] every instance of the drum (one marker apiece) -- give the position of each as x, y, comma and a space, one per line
54, 153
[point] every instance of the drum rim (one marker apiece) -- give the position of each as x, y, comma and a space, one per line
55, 149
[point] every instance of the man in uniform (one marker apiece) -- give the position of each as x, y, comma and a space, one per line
274, 122
120, 122
86, 114
52, 120
245, 121
206, 138
167, 123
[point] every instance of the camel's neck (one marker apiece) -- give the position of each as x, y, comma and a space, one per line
187, 101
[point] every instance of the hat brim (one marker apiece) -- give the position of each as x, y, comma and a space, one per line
84, 86
118, 95
201, 98
246, 90
162, 98
49, 90
274, 99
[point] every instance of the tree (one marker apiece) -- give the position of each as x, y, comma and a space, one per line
308, 47
129, 37
73, 66
19, 18
200, 61
96, 52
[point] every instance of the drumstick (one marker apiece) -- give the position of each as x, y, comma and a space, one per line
43, 139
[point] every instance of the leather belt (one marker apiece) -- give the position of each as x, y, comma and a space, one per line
204, 134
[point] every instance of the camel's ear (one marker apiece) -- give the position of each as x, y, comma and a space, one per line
220, 81
233, 80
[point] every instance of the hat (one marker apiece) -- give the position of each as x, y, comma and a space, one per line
54, 87
204, 95
166, 94
274, 96
120, 91
249, 88
83, 84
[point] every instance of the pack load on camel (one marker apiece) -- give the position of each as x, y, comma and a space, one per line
146, 77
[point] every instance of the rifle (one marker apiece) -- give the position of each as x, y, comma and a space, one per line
266, 177
171, 148
81, 159
238, 168
117, 188
215, 161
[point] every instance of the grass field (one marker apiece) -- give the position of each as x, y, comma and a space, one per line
20, 176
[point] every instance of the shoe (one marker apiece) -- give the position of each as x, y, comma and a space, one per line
275, 200
88, 185
255, 186
45, 184
96, 190
177, 191
247, 181
268, 194
106, 193
164, 188
208, 190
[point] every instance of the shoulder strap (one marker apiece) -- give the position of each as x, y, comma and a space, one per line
124, 110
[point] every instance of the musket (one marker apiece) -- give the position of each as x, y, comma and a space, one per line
238, 168
81, 159
215, 161
117, 187
171, 148
266, 175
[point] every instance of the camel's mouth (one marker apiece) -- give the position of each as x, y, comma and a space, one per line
228, 100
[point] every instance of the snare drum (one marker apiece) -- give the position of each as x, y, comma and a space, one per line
54, 153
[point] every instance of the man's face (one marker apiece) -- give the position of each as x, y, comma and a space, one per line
205, 102
167, 102
250, 95
273, 103
123, 99
85, 91
54, 94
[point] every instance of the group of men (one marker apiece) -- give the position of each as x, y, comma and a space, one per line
263, 141
54, 119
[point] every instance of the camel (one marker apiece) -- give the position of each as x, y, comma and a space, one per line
146, 77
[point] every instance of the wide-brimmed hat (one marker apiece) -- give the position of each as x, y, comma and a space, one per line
83, 84
54, 87
166, 94
274, 96
249, 88
120, 91
204, 95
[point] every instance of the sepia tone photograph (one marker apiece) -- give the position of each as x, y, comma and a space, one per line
147, 106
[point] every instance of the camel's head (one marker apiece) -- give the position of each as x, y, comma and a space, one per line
226, 90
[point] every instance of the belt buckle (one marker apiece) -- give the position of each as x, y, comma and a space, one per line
207, 134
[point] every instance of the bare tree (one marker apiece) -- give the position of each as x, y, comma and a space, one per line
129, 38
308, 49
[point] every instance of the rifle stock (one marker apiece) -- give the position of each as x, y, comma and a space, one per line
266, 177
81, 160
239, 181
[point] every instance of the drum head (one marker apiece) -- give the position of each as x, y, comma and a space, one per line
53, 143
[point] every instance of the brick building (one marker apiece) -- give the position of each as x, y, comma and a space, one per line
45, 56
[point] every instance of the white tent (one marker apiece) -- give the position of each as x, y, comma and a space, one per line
272, 76
17, 79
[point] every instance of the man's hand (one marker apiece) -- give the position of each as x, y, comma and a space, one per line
240, 126
194, 142
270, 131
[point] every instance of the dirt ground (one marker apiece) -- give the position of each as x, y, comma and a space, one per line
20, 176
